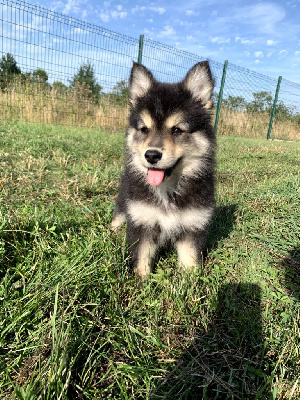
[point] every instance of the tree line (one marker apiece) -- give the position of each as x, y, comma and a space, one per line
85, 78
262, 103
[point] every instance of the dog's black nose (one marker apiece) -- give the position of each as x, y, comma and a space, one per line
152, 156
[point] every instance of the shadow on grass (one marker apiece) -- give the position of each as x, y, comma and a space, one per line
221, 225
291, 263
227, 362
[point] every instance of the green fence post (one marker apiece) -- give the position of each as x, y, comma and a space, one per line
141, 44
274, 107
220, 96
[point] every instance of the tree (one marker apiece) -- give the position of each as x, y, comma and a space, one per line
121, 92
262, 102
284, 112
86, 77
40, 75
237, 103
8, 70
59, 87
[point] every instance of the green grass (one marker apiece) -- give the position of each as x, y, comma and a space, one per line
74, 325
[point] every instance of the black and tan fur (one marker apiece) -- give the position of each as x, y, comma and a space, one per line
170, 130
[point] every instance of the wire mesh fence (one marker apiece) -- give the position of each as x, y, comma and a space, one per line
57, 69
287, 117
246, 102
51, 51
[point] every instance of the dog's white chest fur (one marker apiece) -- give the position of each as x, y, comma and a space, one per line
171, 220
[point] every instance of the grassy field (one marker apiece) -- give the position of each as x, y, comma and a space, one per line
74, 325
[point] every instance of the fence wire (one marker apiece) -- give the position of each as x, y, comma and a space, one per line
247, 102
57, 69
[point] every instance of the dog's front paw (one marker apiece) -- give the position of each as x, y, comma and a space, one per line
117, 221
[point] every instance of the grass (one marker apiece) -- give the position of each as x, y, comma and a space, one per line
73, 323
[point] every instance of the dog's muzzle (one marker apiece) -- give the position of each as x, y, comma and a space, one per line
155, 176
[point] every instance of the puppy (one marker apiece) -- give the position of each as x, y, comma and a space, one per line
166, 193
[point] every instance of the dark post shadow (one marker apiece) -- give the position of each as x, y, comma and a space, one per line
291, 263
227, 362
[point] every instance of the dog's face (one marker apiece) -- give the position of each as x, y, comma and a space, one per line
169, 127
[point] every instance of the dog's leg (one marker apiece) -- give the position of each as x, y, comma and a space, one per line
187, 254
142, 250
189, 249
118, 219
119, 216
144, 254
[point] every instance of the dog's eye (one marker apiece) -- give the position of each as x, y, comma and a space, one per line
144, 129
177, 130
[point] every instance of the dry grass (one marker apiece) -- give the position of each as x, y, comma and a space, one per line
33, 102
256, 125
42, 103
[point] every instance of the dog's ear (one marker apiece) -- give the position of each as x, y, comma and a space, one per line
200, 83
141, 80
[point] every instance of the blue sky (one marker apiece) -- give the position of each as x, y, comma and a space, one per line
263, 36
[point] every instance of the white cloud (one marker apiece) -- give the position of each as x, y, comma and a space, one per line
118, 14
142, 9
159, 10
70, 7
283, 53
190, 38
137, 9
297, 53
271, 42
104, 16
80, 30
259, 54
167, 31
220, 40
264, 16
244, 40
257, 61
270, 53
290, 3
247, 53
183, 23
189, 13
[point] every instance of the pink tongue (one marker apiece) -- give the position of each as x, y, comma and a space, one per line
155, 176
